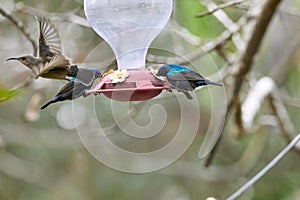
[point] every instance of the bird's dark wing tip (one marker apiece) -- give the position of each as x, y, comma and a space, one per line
45, 105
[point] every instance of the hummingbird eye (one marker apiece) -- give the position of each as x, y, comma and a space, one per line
22, 58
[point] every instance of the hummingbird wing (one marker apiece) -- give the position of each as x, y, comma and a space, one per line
66, 88
72, 90
185, 76
192, 77
86, 76
62, 95
59, 61
49, 41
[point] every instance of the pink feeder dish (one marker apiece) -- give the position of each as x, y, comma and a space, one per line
140, 85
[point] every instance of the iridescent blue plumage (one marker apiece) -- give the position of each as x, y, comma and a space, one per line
182, 78
73, 89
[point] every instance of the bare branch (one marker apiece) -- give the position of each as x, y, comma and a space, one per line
283, 153
219, 7
245, 62
290, 10
20, 26
24, 84
285, 124
68, 16
226, 22
240, 130
21, 169
202, 49
252, 47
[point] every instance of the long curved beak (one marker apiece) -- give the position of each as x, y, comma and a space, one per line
12, 59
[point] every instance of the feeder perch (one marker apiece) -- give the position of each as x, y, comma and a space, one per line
129, 27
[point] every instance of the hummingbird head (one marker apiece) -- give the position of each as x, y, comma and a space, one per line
25, 60
163, 70
155, 68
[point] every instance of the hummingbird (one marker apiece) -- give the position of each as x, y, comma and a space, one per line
51, 63
73, 89
180, 77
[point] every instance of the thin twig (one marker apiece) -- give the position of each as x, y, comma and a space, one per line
245, 187
290, 10
222, 6
24, 84
20, 26
202, 49
227, 22
286, 126
67, 16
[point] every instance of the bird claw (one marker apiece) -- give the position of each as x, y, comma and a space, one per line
84, 94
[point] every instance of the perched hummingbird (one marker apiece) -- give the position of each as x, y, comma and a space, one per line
51, 63
73, 89
180, 77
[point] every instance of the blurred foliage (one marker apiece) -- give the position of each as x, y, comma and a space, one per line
7, 94
45, 159
185, 13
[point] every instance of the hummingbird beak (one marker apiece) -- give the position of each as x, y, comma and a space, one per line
12, 59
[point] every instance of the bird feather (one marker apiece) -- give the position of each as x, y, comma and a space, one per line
49, 41
59, 61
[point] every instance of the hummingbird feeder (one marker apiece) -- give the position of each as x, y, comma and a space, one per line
129, 27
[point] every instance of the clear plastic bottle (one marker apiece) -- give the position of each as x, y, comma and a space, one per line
129, 26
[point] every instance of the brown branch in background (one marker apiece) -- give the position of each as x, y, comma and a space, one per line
68, 16
246, 60
290, 10
32, 112
282, 116
252, 46
2, 143
263, 171
222, 6
20, 26
203, 49
24, 84
227, 22
240, 131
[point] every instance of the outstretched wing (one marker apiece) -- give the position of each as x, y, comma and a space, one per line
59, 61
49, 41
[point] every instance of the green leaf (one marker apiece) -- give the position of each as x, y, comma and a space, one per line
5, 95
206, 27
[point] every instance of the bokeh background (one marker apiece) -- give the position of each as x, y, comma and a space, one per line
42, 157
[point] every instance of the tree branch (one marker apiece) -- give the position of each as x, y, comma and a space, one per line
245, 62
222, 6
20, 26
245, 187
202, 49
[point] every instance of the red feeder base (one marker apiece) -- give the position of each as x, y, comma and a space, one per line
140, 85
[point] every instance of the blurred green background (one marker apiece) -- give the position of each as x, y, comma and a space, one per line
42, 157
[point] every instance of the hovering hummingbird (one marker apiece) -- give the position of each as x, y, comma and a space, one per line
180, 77
51, 63
73, 89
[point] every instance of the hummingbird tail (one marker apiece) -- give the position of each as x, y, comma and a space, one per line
53, 100
46, 105
208, 82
